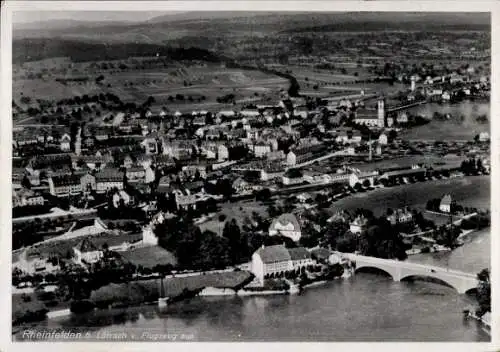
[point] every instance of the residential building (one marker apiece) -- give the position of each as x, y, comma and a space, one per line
150, 144
358, 225
286, 225
250, 113
356, 137
222, 152
277, 155
261, 149
32, 262
108, 179
446, 96
149, 175
88, 182
242, 186
402, 117
445, 204
65, 142
135, 173
185, 201
484, 137
122, 196
87, 253
64, 185
400, 216
25, 197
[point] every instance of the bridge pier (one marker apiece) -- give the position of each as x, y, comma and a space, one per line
396, 275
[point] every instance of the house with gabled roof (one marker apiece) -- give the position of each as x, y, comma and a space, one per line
85, 252
65, 142
108, 179
445, 205
286, 225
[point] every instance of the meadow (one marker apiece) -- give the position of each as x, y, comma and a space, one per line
456, 127
238, 211
179, 87
469, 192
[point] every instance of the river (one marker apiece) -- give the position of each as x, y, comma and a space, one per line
366, 307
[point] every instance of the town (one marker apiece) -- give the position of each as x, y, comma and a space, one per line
119, 202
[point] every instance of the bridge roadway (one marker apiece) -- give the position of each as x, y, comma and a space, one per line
402, 270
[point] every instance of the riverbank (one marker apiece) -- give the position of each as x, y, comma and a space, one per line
484, 320
359, 309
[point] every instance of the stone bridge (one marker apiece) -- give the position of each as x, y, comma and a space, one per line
402, 270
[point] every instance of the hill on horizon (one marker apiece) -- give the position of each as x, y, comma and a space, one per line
156, 29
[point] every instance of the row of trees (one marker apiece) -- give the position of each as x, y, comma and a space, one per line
472, 166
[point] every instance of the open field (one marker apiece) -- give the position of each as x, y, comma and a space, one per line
454, 128
406, 161
238, 211
200, 86
330, 83
445, 130
469, 191
49, 89
148, 257
61, 247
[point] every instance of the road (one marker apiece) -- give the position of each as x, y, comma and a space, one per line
81, 213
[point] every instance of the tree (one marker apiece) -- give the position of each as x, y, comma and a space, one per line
273, 211
483, 295
237, 242
392, 135
263, 194
213, 252
334, 231
25, 99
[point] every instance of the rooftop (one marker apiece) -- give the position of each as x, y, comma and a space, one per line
299, 253
273, 254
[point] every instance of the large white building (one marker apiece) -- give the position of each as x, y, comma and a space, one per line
277, 259
286, 225
64, 185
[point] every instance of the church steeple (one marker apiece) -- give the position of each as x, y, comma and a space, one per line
381, 111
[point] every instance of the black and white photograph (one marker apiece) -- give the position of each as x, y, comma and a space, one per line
250, 176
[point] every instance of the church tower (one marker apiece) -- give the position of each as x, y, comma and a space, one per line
381, 112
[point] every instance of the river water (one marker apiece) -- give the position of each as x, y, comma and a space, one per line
366, 307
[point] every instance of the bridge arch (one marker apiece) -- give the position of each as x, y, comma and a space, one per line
433, 278
376, 269
462, 282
